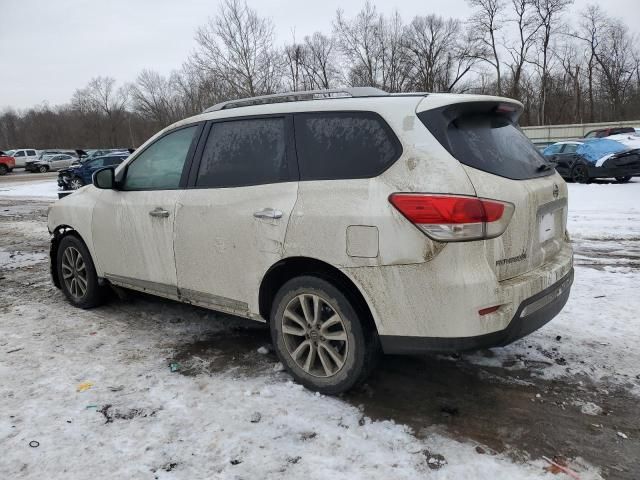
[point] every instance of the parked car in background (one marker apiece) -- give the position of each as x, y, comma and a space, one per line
78, 175
51, 162
91, 154
309, 211
24, 155
607, 132
562, 155
49, 153
616, 156
7, 163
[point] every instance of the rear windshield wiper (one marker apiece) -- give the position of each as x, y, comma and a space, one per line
544, 167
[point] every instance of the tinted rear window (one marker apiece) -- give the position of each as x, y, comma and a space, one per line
245, 152
343, 145
484, 139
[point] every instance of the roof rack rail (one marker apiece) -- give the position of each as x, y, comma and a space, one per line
351, 92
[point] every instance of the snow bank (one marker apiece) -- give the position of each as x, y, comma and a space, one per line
604, 210
44, 189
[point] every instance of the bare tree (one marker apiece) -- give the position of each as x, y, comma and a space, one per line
549, 12
154, 97
359, 41
393, 53
100, 99
237, 48
527, 26
294, 72
432, 43
484, 25
321, 62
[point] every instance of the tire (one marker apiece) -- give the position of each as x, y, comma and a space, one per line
69, 248
334, 365
623, 179
76, 183
4, 169
580, 173
43, 169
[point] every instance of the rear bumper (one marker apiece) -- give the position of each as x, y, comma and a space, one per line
532, 313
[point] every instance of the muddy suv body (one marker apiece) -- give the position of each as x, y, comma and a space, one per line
351, 221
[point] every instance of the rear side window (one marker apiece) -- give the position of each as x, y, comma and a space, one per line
481, 136
343, 145
31, 153
245, 152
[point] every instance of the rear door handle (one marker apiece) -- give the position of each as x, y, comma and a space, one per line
268, 213
159, 212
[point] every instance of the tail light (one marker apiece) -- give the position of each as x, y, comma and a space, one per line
454, 218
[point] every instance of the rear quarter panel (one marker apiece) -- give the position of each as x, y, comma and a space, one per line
326, 209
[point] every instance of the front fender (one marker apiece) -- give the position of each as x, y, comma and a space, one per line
75, 212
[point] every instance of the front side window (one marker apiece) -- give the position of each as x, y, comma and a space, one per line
553, 149
570, 148
159, 166
19, 153
342, 145
244, 152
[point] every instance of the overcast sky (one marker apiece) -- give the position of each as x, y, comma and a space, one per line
48, 48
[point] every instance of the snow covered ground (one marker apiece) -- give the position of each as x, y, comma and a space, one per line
96, 389
40, 189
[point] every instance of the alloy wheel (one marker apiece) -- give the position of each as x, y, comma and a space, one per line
76, 183
74, 272
315, 335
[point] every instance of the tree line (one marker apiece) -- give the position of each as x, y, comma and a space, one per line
564, 66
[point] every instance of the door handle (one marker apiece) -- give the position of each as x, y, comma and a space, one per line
159, 212
268, 213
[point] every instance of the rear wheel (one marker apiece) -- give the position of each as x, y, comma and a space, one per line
4, 169
320, 337
580, 173
623, 179
77, 274
43, 169
76, 183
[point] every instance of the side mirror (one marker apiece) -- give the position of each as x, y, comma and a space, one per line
104, 178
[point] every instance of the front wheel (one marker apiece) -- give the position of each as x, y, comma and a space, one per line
4, 169
76, 183
624, 179
580, 173
43, 169
319, 336
77, 274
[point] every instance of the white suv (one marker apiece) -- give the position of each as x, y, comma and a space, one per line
352, 221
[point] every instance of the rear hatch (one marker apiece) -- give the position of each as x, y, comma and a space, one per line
503, 164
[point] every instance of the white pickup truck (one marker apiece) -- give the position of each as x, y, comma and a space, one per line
23, 155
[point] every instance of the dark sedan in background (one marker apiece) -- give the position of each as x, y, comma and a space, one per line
583, 161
